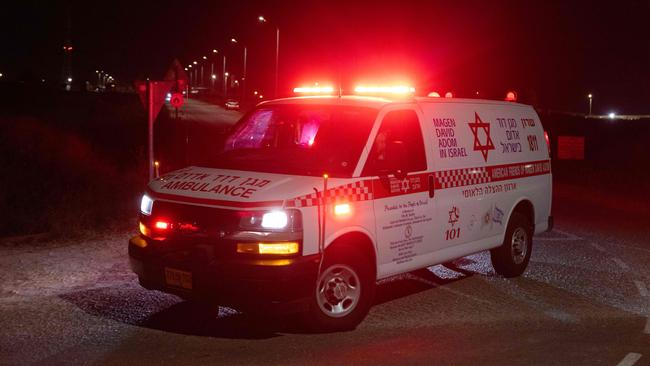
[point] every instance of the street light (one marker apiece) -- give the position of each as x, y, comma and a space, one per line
262, 19
590, 98
243, 78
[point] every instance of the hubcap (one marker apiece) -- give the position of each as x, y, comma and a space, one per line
519, 245
338, 291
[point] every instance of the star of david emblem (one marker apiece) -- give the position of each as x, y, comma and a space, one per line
405, 185
453, 216
478, 146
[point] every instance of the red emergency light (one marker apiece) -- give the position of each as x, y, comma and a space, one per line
449, 95
162, 225
314, 90
396, 89
433, 95
511, 96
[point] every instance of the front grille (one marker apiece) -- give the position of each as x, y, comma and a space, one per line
208, 222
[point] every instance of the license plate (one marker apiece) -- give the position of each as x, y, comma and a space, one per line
178, 278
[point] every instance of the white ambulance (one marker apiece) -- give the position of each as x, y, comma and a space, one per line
312, 200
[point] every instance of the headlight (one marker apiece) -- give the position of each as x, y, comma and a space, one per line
146, 205
277, 220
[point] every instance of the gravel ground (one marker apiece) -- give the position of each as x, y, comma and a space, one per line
584, 300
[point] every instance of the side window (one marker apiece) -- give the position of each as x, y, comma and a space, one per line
398, 146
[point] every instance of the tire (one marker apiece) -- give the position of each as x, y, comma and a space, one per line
512, 257
343, 294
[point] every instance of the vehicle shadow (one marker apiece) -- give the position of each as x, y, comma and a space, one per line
130, 304
420, 280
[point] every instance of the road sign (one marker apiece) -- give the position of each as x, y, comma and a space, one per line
158, 92
177, 100
177, 74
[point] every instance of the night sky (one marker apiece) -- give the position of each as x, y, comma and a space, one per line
551, 52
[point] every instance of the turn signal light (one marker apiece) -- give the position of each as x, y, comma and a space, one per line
342, 209
144, 230
279, 248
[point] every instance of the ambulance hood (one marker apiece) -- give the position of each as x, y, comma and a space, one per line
232, 188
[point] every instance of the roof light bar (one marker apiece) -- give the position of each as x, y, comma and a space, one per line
314, 90
398, 89
433, 95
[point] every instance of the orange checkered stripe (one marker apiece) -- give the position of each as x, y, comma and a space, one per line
357, 191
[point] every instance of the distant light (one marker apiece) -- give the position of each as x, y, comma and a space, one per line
226, 74
612, 115
1, 75
215, 51
236, 81
589, 96
214, 76
476, 93
194, 62
433, 95
449, 95
255, 92
311, 141
261, 96
96, 71
511, 96
69, 80
233, 40
313, 90
190, 65
205, 57
261, 19
186, 69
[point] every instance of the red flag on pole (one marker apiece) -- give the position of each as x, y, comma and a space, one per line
152, 95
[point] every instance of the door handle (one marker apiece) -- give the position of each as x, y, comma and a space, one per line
432, 186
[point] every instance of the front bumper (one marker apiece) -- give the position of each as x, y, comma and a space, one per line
241, 282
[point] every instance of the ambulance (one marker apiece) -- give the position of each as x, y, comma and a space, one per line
313, 199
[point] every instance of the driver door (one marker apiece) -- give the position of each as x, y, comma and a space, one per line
402, 206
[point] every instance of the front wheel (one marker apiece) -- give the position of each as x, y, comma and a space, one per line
512, 257
343, 294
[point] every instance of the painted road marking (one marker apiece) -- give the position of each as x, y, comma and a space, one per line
621, 264
597, 246
647, 326
643, 290
630, 359
567, 236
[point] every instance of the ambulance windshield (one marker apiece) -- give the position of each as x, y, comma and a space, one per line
298, 139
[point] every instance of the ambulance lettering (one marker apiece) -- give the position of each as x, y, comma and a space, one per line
220, 184
511, 129
447, 141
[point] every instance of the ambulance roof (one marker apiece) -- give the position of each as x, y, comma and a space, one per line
379, 102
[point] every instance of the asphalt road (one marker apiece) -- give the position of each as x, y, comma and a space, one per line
202, 112
583, 301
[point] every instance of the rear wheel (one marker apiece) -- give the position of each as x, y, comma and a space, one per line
343, 294
512, 257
